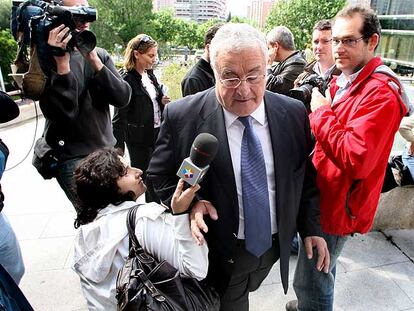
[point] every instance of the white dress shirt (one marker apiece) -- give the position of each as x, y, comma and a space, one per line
344, 84
150, 87
235, 129
101, 248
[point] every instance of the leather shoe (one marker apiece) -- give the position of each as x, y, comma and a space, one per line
292, 305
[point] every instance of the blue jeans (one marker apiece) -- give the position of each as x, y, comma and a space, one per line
10, 254
11, 297
315, 289
408, 160
65, 177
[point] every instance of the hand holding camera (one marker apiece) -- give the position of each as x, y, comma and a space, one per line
304, 91
318, 100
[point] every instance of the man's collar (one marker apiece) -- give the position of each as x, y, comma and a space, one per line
317, 69
259, 115
342, 80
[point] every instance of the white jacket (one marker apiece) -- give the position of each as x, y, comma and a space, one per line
101, 248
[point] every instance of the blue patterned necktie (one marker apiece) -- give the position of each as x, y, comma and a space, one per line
255, 192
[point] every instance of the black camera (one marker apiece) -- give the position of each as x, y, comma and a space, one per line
54, 15
304, 91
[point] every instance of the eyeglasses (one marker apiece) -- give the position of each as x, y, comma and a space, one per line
349, 42
233, 83
144, 39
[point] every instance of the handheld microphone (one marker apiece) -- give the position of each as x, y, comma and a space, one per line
203, 151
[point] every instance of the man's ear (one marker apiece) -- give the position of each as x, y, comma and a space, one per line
207, 51
373, 41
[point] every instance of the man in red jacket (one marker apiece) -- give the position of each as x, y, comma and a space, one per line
354, 127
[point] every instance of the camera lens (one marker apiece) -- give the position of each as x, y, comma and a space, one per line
302, 93
85, 41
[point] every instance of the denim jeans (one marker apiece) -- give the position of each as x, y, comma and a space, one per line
65, 177
408, 160
315, 289
10, 254
11, 297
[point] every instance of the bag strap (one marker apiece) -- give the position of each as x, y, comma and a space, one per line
134, 246
134, 249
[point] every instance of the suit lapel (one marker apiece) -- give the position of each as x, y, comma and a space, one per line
276, 118
213, 122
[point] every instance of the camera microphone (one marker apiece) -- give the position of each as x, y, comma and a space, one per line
203, 151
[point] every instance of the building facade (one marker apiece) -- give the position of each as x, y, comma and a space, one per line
159, 5
397, 34
200, 10
258, 11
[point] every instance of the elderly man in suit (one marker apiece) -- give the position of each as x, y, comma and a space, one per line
260, 187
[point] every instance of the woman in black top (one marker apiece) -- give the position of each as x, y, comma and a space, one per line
138, 124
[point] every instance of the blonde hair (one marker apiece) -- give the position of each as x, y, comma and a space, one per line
137, 44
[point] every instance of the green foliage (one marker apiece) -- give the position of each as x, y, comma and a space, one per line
242, 20
8, 48
301, 15
121, 20
165, 27
172, 75
188, 35
5, 12
202, 29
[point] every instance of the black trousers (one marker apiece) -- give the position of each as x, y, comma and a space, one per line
249, 272
140, 156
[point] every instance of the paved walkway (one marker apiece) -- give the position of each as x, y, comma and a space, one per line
375, 272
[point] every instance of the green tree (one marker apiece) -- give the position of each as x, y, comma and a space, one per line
243, 20
165, 27
188, 35
202, 29
8, 48
5, 12
121, 20
301, 15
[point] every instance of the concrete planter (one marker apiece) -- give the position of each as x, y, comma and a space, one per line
395, 209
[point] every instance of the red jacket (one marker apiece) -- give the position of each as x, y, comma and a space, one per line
353, 141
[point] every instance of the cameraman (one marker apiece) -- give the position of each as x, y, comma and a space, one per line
76, 102
324, 63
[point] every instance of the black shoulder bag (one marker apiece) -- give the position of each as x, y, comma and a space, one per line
144, 283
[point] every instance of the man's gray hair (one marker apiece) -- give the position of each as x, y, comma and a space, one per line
283, 36
236, 38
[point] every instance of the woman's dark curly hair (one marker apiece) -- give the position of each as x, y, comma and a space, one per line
96, 184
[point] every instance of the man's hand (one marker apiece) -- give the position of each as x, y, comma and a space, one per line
318, 100
59, 38
200, 209
182, 199
323, 252
165, 100
93, 58
410, 148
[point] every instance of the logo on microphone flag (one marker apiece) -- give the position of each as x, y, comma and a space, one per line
188, 172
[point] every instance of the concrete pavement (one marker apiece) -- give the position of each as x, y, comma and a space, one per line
375, 271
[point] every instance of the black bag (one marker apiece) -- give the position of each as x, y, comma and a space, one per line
401, 172
389, 180
45, 159
144, 283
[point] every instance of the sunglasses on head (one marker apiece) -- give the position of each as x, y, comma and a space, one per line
144, 39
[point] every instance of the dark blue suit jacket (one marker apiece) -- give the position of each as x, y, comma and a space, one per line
297, 197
